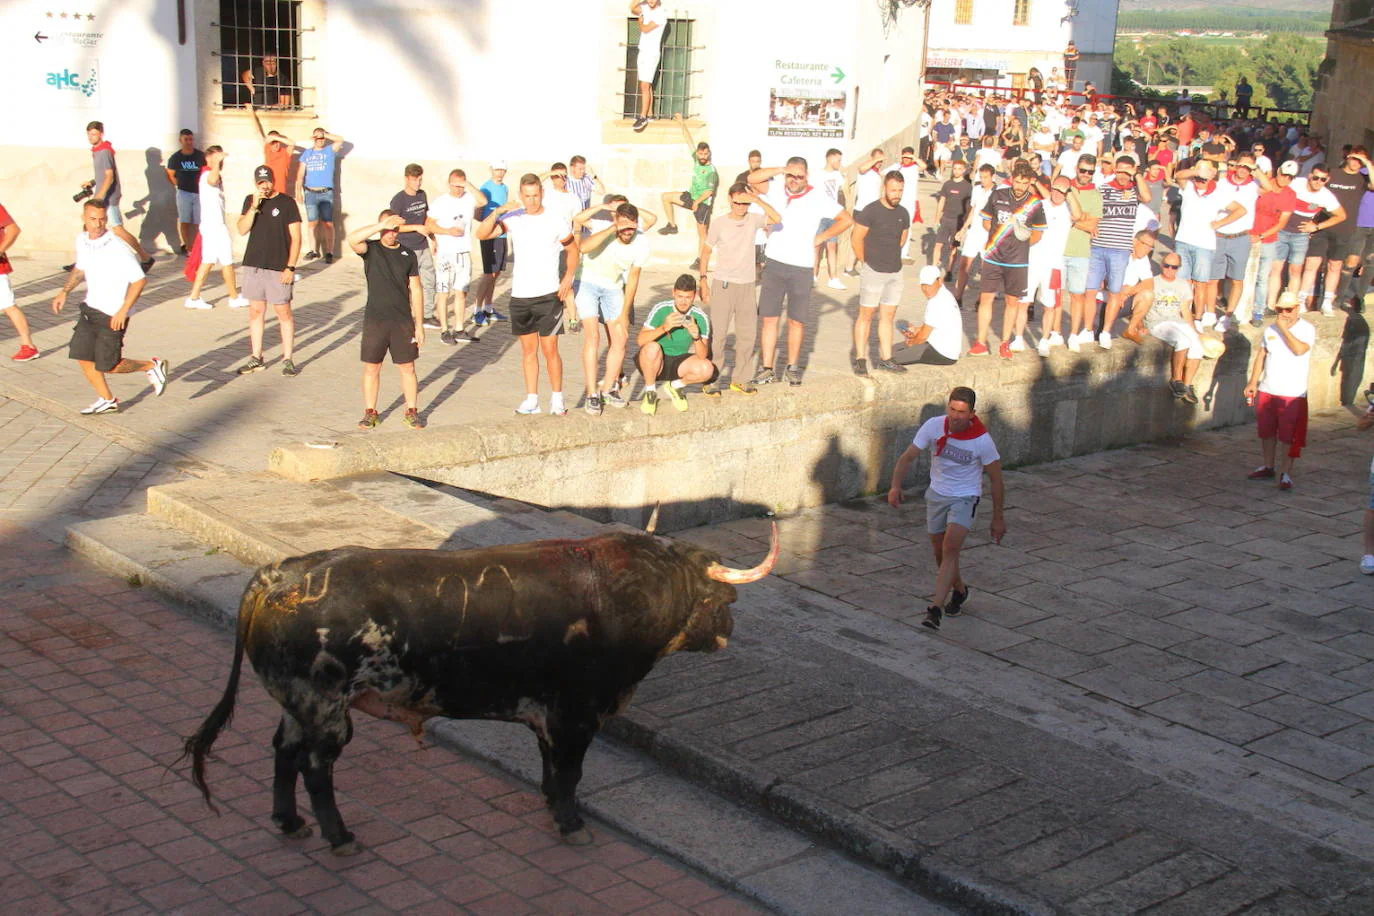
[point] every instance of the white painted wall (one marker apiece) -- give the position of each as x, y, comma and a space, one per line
1093, 29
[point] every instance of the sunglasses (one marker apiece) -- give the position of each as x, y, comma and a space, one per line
1316, 178
1285, 311
796, 177
558, 177
1171, 266
739, 203
1087, 171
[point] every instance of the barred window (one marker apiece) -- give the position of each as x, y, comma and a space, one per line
1020, 14
260, 45
963, 12
673, 80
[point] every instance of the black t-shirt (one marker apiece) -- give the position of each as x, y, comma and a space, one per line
267, 89
1003, 207
1349, 190
990, 119
187, 169
269, 241
883, 244
413, 208
388, 272
956, 195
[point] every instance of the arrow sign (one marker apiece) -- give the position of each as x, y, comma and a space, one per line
39, 37
838, 75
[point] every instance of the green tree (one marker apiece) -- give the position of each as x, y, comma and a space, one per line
1285, 67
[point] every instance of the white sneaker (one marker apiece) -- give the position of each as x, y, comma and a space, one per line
1223, 323
1328, 307
1208, 320
1367, 564
197, 304
529, 407
1043, 348
1104, 340
835, 283
1085, 336
1074, 343
1018, 343
157, 376
102, 405
1056, 339
238, 302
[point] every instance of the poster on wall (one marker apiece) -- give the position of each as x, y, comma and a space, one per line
65, 48
807, 99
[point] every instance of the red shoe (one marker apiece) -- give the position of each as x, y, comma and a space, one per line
1285, 482
1261, 474
1004, 350
25, 354
978, 349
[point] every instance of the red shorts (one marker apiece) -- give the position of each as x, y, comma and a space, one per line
1284, 419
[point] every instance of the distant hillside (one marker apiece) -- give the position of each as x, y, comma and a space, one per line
1268, 6
1222, 16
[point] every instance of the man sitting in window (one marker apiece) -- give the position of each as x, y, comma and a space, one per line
267, 87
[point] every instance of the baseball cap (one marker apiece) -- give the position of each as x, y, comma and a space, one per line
499, 164
262, 173
929, 274
1289, 168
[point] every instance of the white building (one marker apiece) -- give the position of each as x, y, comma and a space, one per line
997, 42
446, 83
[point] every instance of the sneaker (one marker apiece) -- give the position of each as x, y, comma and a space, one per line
1086, 336
649, 404
933, 617
412, 419
1367, 564
147, 265
557, 408
1074, 345
1018, 343
639, 124
157, 375
1043, 348
1261, 473
184, 251
289, 369
25, 353
370, 419
254, 364
1328, 308
978, 349
675, 395
613, 398
1208, 320
102, 405
1257, 322
744, 387
861, 368
1177, 388
311, 255
593, 405
711, 389
836, 283
494, 315
955, 604
528, 408
432, 324
1223, 323
197, 304
1285, 482
448, 338
329, 257
888, 365
479, 318
1056, 339
793, 374
1104, 340
463, 335
764, 376
1190, 395
1003, 350
238, 302
669, 229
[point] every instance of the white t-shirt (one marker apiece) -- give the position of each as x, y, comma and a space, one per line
831, 182
538, 240
449, 211
867, 187
1247, 195
1310, 201
1198, 213
987, 156
651, 43
1068, 161
958, 469
1049, 251
1285, 375
946, 322
564, 203
608, 266
1264, 164
211, 201
794, 242
109, 267
1043, 140
1137, 270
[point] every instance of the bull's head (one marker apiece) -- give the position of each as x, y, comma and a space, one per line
712, 588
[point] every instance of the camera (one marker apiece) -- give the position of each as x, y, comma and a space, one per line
1369, 396
81, 195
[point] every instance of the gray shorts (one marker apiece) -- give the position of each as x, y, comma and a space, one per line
783, 281
258, 284
1230, 257
188, 206
943, 511
877, 288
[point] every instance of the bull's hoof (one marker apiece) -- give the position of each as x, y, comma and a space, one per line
579, 837
351, 848
304, 831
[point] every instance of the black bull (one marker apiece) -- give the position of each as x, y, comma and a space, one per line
554, 634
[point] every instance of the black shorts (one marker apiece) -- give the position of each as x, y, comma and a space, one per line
702, 213
382, 335
1331, 245
493, 255
999, 278
94, 341
671, 364
536, 315
946, 232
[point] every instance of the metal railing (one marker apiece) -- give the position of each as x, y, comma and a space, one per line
1256, 112
252, 34
673, 81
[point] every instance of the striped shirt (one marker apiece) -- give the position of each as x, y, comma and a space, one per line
1117, 228
582, 188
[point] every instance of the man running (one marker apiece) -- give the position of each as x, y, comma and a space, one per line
114, 281
961, 450
393, 317
9, 231
673, 347
272, 222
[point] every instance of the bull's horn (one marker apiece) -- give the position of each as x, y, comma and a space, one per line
743, 576
653, 520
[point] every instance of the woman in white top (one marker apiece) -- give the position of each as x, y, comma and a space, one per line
213, 240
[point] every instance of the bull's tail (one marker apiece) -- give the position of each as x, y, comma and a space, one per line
198, 746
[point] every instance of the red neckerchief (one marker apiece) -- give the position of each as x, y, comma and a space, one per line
103, 145
975, 429
1122, 187
792, 197
1211, 186
1086, 187
1238, 184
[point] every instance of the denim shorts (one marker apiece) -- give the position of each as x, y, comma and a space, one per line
1108, 264
1231, 257
319, 205
1197, 262
593, 301
1076, 274
1292, 247
188, 206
